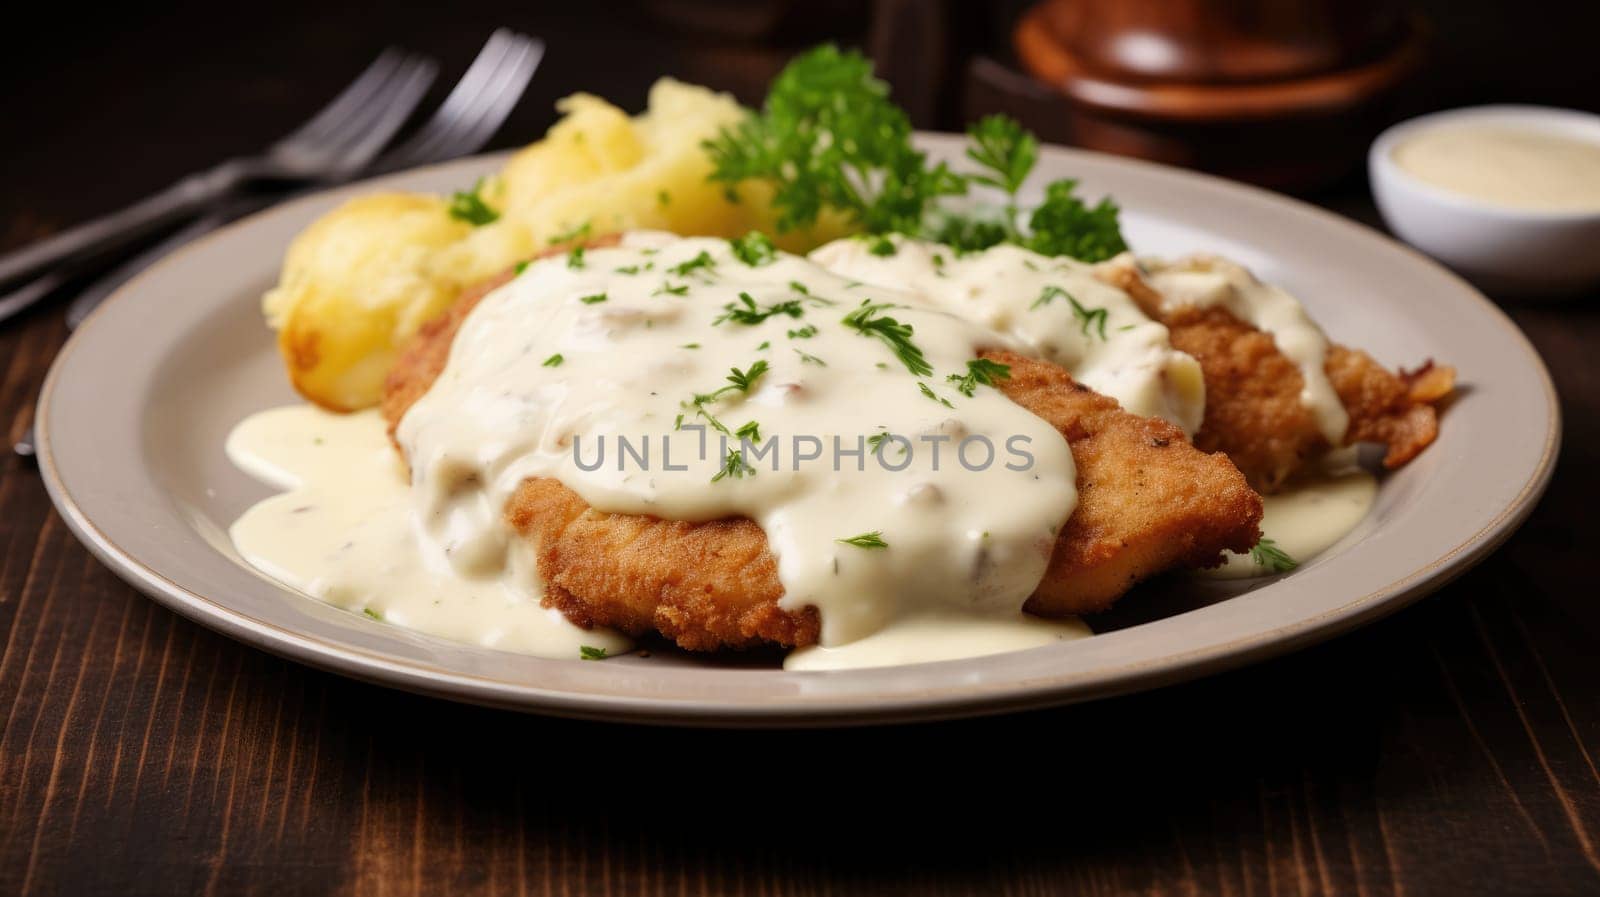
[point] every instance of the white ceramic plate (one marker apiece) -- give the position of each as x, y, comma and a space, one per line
134, 413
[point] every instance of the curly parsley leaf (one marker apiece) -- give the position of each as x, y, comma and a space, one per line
1004, 149
1063, 225
829, 137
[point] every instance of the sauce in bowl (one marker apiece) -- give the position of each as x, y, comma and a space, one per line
1506, 165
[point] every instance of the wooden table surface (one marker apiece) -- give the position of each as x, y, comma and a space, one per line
1449, 749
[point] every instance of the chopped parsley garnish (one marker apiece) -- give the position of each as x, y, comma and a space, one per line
808, 358
873, 539
882, 246
738, 381
690, 346
734, 466
754, 249
1267, 554
866, 320
575, 258
744, 380
805, 332
681, 289
746, 312
586, 652
702, 263
663, 197
1086, 317
765, 344
928, 391
596, 299
554, 361
751, 431
577, 234
875, 441
372, 613
469, 206
627, 269
980, 372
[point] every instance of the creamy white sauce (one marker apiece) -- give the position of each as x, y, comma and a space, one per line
956, 539
343, 532
1205, 281
938, 636
1307, 518
1506, 165
1055, 308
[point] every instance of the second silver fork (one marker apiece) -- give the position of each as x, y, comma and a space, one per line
470, 115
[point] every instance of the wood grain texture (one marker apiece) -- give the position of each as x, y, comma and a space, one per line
1451, 749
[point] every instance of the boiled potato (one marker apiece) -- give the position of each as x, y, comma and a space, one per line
361, 280
356, 283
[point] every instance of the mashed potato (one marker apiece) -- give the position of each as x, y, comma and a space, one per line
364, 277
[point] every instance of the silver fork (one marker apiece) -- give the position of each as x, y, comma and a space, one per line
360, 120
474, 110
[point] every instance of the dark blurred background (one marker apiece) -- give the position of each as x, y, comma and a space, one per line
102, 107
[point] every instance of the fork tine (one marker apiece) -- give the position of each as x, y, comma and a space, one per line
393, 111
350, 99
461, 97
477, 106
502, 97
337, 134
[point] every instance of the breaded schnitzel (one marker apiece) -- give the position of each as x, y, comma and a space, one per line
1148, 502
1254, 412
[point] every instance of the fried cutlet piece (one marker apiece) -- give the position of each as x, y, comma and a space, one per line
1148, 502
1253, 409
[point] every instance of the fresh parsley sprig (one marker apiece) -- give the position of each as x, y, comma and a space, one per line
829, 138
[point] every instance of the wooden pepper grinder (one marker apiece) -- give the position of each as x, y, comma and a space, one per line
1285, 93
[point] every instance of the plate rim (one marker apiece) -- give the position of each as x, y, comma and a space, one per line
350, 660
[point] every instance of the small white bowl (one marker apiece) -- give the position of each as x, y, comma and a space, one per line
1501, 248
